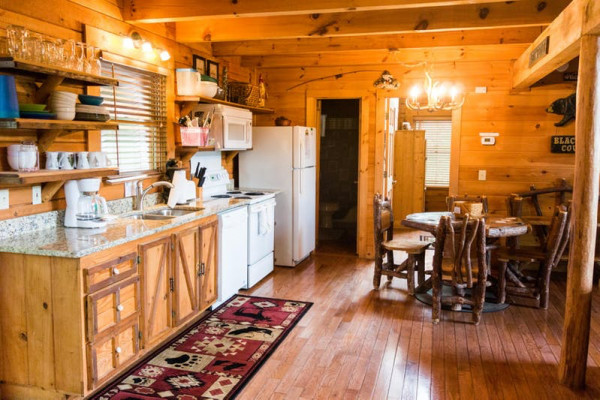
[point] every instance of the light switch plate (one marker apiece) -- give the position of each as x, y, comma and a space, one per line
482, 174
36, 194
481, 89
4, 199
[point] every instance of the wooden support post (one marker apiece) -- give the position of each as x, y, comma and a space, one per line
47, 137
50, 189
47, 87
576, 330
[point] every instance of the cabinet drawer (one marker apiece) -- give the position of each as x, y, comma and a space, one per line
108, 307
107, 354
103, 275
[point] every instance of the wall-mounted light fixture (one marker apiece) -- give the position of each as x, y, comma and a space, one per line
135, 41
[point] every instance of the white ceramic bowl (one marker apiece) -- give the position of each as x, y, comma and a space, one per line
13, 161
208, 89
65, 115
62, 94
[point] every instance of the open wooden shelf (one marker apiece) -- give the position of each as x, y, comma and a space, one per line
25, 123
40, 72
46, 175
186, 153
200, 99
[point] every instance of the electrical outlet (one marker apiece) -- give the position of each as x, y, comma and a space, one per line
4, 199
482, 174
36, 194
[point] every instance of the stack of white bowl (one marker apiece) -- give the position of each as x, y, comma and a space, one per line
63, 104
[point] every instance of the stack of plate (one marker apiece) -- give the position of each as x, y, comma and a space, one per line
85, 112
37, 111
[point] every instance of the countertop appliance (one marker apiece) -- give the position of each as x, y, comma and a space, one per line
231, 126
284, 158
85, 208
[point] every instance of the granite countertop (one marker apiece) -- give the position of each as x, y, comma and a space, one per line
59, 241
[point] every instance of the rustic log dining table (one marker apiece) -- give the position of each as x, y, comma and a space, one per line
496, 227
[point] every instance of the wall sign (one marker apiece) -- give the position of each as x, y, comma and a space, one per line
563, 144
540, 51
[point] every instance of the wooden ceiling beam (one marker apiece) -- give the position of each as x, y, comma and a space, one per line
473, 16
581, 17
152, 11
387, 57
378, 42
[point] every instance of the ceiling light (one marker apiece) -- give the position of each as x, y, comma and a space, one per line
164, 55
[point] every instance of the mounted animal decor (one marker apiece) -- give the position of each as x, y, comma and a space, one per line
564, 107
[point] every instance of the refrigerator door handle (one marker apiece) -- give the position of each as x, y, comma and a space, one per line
300, 182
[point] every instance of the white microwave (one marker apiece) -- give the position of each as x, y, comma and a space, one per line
231, 126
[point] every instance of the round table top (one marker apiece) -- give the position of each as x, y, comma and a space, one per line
496, 226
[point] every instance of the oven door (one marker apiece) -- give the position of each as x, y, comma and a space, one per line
261, 230
237, 133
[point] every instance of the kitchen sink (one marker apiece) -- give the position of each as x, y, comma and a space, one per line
165, 213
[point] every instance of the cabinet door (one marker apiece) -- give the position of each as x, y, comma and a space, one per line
157, 285
208, 273
186, 268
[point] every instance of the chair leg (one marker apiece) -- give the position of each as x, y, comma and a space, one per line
479, 300
420, 260
410, 274
377, 273
545, 286
502, 282
436, 284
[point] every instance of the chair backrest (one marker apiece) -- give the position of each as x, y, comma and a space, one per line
383, 219
454, 240
474, 199
558, 237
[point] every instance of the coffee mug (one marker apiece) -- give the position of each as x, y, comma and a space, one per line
82, 160
98, 159
65, 160
9, 105
52, 160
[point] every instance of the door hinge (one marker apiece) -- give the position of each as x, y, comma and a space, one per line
172, 246
139, 334
173, 314
139, 260
172, 284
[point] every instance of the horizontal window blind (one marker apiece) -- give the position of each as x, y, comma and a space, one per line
438, 134
139, 104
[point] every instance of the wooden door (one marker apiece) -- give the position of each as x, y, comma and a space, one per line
157, 285
186, 269
391, 125
409, 174
208, 273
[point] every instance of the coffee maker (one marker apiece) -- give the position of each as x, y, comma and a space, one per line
85, 208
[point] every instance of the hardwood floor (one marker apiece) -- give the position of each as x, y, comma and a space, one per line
357, 343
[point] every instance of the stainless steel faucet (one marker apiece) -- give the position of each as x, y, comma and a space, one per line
141, 192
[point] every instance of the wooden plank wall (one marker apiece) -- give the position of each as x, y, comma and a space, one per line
68, 19
521, 156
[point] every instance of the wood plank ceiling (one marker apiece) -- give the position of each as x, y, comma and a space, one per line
338, 32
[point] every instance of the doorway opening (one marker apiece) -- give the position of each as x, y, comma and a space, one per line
338, 175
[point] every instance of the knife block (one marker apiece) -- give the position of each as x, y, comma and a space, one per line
198, 190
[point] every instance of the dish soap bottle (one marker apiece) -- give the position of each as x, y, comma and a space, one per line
262, 92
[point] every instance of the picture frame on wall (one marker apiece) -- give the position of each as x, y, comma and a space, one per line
199, 64
212, 69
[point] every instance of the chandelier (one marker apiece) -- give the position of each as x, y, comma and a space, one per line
435, 96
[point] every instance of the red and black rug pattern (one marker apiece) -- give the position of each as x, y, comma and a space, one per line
216, 357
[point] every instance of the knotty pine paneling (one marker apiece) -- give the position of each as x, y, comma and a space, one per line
67, 19
520, 158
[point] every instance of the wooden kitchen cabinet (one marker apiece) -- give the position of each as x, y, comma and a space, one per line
208, 273
157, 284
68, 325
186, 268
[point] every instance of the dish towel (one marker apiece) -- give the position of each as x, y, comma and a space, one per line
263, 222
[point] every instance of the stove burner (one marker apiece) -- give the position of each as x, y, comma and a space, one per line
235, 192
243, 197
221, 196
254, 194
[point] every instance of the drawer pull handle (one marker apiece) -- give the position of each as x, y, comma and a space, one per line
118, 350
120, 307
116, 271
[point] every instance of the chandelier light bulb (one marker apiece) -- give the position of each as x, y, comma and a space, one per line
415, 92
164, 55
146, 47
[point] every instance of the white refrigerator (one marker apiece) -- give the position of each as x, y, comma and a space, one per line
284, 158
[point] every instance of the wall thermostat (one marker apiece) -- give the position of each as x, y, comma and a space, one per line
488, 140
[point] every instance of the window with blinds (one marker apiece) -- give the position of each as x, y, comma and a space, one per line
438, 135
139, 104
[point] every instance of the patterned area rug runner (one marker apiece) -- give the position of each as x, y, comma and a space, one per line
216, 357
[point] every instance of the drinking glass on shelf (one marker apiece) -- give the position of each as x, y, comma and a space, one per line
70, 54
93, 60
16, 40
33, 48
81, 56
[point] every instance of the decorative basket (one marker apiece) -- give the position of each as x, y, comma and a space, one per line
244, 93
475, 209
